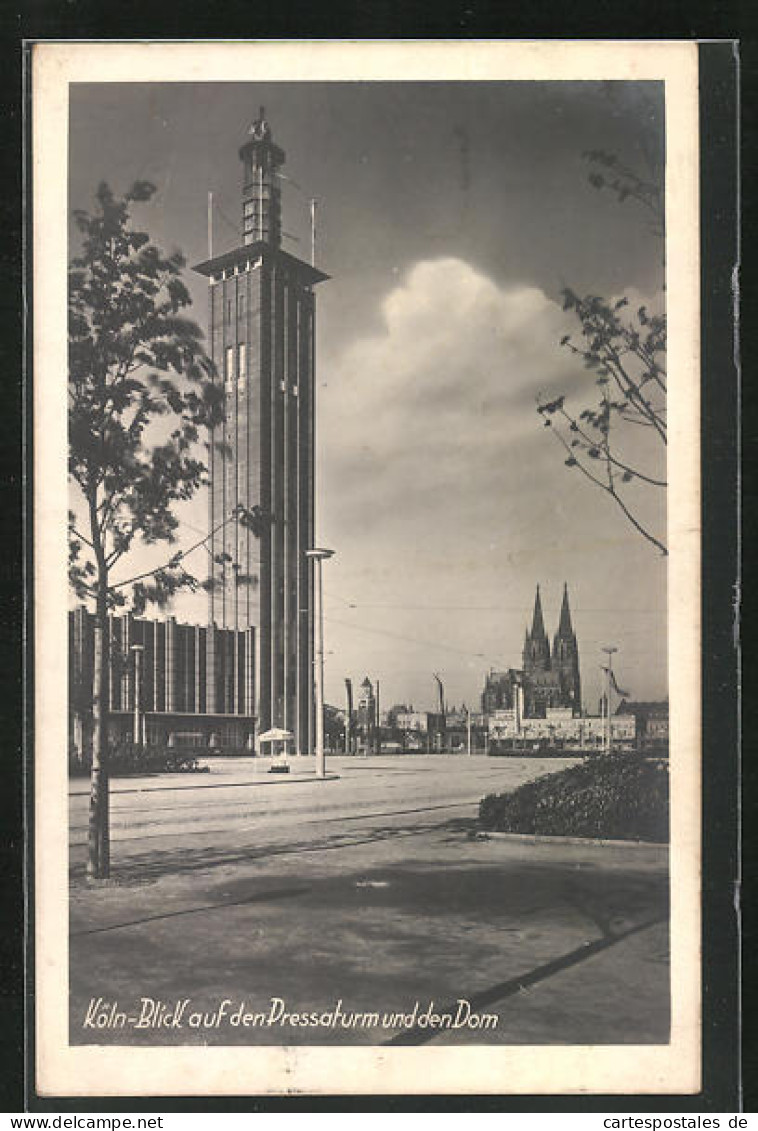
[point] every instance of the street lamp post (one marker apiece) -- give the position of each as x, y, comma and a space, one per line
608, 679
317, 556
137, 649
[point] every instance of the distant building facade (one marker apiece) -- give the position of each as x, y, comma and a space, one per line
499, 690
560, 726
464, 727
652, 721
196, 683
414, 721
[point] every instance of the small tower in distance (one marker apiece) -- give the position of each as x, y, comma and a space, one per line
367, 720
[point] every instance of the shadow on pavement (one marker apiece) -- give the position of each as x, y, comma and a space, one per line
256, 897
158, 863
515, 890
414, 921
501, 991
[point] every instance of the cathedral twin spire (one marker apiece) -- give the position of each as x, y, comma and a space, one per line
565, 628
536, 644
538, 624
554, 675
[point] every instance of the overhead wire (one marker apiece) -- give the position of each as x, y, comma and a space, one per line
413, 640
500, 608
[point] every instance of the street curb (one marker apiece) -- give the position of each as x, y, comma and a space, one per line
275, 779
541, 838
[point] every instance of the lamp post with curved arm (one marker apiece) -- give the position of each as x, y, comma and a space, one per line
607, 737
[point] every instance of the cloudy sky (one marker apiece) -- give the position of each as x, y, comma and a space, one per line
450, 217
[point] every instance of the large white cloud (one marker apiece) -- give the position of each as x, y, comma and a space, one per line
444, 399
448, 386
439, 486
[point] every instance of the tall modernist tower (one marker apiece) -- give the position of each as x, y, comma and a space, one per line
262, 342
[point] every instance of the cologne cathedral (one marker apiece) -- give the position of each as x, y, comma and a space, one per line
549, 677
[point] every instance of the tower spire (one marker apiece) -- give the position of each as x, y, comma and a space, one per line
536, 655
538, 624
565, 628
566, 657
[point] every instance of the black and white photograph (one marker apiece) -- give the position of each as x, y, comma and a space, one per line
367, 645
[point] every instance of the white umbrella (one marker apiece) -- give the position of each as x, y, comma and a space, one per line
276, 734
273, 736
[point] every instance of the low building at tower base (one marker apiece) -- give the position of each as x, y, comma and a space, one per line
192, 686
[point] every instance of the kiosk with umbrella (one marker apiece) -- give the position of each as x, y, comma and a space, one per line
276, 735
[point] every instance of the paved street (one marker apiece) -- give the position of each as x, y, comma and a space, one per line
238, 796
363, 894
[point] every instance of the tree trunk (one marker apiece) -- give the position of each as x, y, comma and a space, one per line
98, 866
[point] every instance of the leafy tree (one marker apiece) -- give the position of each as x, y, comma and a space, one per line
140, 397
334, 727
626, 352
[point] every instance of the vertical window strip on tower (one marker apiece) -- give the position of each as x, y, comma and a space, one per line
285, 502
292, 495
304, 436
248, 431
235, 463
275, 501
228, 362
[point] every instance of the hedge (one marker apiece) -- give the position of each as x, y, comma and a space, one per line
127, 758
609, 796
